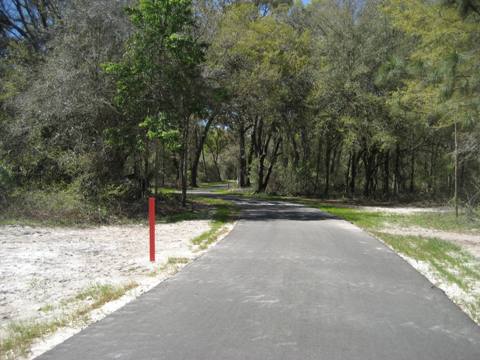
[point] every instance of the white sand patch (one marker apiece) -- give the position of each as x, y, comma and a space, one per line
42, 345
40, 268
403, 210
470, 242
466, 300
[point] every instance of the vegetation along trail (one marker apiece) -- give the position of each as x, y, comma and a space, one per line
289, 282
366, 110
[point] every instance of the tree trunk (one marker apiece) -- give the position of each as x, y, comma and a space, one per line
318, 163
386, 175
456, 170
369, 163
264, 182
355, 158
432, 182
217, 167
184, 162
272, 163
204, 164
263, 151
347, 173
198, 152
261, 170
146, 170
328, 152
412, 172
396, 184
157, 155
163, 164
242, 160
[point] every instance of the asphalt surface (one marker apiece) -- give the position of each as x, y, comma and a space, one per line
287, 283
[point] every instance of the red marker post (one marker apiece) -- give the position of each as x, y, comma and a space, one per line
151, 218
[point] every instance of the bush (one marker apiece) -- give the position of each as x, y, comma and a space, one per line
56, 206
6, 184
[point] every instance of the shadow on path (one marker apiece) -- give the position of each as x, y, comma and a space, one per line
262, 210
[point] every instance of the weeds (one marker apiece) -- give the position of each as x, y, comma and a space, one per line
20, 335
177, 260
46, 308
223, 213
101, 294
449, 260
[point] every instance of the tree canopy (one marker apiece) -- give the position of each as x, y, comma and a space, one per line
373, 98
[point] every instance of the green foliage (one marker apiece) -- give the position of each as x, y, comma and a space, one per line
158, 128
6, 182
445, 62
327, 98
158, 79
161, 53
53, 207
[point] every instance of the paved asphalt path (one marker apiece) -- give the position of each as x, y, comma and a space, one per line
288, 283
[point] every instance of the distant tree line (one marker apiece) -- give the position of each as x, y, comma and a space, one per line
373, 98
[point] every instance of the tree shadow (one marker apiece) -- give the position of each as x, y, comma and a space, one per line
262, 210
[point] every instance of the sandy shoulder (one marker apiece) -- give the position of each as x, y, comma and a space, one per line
403, 210
470, 242
42, 268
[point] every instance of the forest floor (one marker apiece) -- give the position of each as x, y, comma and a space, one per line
54, 281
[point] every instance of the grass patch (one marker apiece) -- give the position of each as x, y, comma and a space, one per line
206, 185
177, 260
222, 212
46, 308
447, 259
167, 190
449, 262
366, 219
375, 220
204, 240
201, 208
20, 335
185, 215
171, 267
101, 294
439, 221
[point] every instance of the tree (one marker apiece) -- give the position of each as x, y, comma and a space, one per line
61, 105
259, 61
445, 63
159, 78
28, 21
